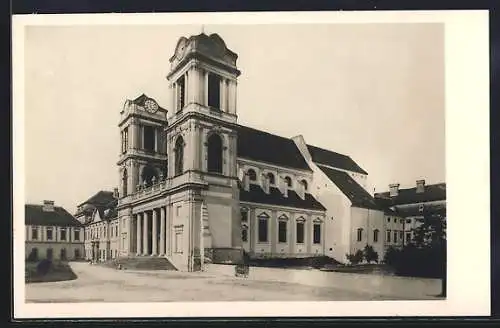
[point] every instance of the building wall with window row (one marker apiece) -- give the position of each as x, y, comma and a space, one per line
52, 233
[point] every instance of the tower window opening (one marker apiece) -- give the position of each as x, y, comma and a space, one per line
179, 156
215, 154
214, 91
149, 138
181, 92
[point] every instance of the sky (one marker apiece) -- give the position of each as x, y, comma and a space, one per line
374, 92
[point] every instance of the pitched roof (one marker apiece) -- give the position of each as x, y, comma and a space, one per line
358, 196
269, 148
100, 198
433, 192
35, 215
255, 194
331, 158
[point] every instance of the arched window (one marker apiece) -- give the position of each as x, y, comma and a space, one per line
270, 176
124, 182
304, 183
375, 235
179, 156
215, 153
288, 181
360, 234
147, 175
252, 175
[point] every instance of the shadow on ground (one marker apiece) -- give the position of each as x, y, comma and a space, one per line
48, 271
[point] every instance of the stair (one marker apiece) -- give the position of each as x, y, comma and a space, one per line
145, 263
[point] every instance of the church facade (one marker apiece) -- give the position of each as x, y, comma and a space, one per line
195, 185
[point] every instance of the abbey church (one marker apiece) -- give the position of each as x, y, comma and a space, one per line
195, 186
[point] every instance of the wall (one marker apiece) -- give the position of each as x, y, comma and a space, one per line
398, 287
368, 220
56, 249
290, 248
338, 214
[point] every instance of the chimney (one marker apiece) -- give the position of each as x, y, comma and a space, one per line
393, 189
420, 186
265, 183
115, 193
48, 206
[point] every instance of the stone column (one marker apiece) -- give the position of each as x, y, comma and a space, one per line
154, 238
145, 231
205, 89
162, 231
223, 95
139, 235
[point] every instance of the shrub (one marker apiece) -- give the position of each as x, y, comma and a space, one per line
369, 254
356, 257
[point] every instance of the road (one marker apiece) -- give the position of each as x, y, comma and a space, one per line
101, 284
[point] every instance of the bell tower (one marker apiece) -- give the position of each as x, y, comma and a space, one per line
142, 159
202, 142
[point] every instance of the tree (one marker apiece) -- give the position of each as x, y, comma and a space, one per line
425, 255
369, 254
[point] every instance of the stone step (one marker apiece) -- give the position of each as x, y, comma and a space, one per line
145, 263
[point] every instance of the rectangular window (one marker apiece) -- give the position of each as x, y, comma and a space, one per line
213, 91
395, 236
149, 138
262, 230
282, 231
375, 236
317, 234
408, 236
63, 234
178, 241
34, 234
77, 235
401, 235
49, 234
244, 235
388, 236
300, 232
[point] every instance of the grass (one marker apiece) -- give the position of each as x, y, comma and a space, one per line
58, 271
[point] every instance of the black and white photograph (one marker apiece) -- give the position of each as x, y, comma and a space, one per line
204, 159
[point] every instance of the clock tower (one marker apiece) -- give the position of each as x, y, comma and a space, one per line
143, 156
201, 143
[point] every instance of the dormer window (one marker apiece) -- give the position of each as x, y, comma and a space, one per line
213, 91
252, 176
304, 183
270, 176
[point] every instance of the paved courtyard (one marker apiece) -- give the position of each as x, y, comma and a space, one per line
100, 284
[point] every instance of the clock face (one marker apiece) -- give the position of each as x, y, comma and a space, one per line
151, 106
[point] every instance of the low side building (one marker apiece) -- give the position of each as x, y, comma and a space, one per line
406, 209
52, 233
102, 228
